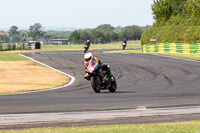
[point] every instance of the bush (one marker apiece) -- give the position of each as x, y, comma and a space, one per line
172, 34
177, 21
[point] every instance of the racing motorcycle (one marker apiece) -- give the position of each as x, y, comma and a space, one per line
86, 48
100, 79
124, 45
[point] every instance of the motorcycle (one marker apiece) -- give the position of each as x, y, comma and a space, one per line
124, 46
100, 79
86, 48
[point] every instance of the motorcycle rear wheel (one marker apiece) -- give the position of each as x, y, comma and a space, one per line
95, 85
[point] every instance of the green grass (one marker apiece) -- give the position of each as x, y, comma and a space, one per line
126, 51
185, 56
94, 46
178, 127
6, 56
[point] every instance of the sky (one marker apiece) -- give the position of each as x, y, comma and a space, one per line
75, 13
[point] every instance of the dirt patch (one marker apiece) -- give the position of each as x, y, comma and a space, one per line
23, 76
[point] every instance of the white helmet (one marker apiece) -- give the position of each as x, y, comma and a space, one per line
88, 57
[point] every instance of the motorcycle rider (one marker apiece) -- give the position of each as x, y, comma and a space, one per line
124, 43
86, 46
91, 60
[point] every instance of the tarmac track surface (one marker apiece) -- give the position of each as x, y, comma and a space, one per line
143, 80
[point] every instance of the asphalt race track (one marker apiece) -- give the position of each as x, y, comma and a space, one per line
143, 80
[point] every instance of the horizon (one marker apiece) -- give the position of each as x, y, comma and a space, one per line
57, 28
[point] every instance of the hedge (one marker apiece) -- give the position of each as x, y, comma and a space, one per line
172, 34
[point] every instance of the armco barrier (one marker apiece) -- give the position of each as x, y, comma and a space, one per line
8, 46
193, 48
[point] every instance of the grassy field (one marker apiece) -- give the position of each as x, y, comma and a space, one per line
178, 127
6, 56
118, 45
19, 74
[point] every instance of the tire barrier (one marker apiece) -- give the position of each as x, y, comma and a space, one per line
182, 48
9, 46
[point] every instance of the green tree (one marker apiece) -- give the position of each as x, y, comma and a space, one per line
131, 33
75, 36
107, 33
164, 10
35, 31
176, 21
118, 29
96, 36
84, 36
105, 27
5, 38
13, 31
16, 39
15, 35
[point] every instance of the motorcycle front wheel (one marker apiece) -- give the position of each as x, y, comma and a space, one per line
86, 49
113, 87
96, 85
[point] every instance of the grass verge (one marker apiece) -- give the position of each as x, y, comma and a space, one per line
184, 56
19, 74
126, 51
6, 56
94, 46
178, 127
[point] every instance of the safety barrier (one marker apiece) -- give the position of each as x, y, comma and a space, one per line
193, 48
9, 46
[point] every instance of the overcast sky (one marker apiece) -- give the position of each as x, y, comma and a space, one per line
75, 13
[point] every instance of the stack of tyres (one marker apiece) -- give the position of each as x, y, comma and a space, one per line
9, 46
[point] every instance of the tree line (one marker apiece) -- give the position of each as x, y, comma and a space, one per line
106, 33
102, 34
34, 33
176, 12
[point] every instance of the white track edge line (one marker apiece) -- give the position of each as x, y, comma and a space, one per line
68, 84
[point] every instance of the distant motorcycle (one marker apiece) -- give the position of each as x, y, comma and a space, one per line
124, 45
86, 48
100, 80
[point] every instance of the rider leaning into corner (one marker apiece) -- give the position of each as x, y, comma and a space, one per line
86, 46
91, 60
124, 43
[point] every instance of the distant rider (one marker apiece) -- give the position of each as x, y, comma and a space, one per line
86, 46
124, 43
90, 60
